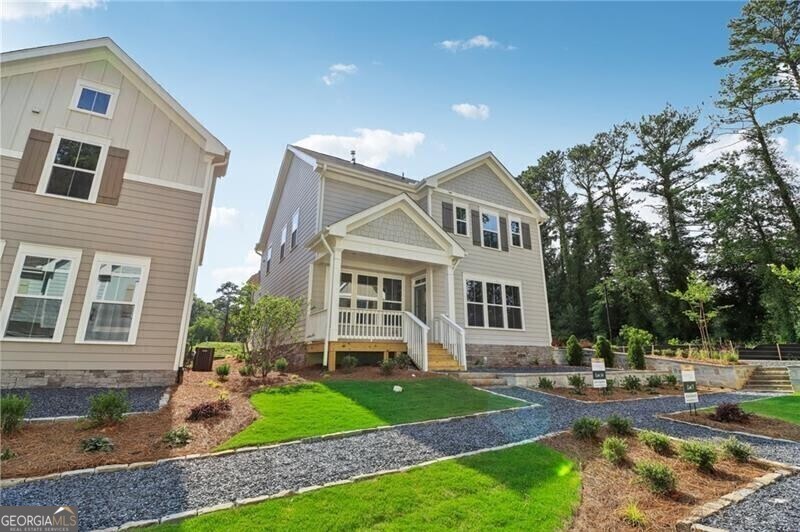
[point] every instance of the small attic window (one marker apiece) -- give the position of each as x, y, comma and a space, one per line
94, 99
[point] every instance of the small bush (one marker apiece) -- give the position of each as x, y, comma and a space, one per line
403, 361
12, 411
208, 410
602, 349
633, 516
683, 354
632, 383
614, 449
96, 444
609, 389
7, 454
247, 370
281, 365
657, 441
545, 383
729, 413
177, 437
703, 455
739, 451
671, 379
222, 371
387, 367
668, 353
348, 362
636, 353
654, 381
620, 425
577, 382
585, 428
731, 357
574, 352
108, 407
659, 478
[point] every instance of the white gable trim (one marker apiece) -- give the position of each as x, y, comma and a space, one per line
277, 192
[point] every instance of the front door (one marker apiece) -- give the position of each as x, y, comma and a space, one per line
420, 299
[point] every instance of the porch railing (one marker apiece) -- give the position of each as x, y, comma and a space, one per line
451, 336
416, 338
362, 324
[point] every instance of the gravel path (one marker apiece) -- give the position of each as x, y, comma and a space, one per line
54, 402
110, 499
774, 508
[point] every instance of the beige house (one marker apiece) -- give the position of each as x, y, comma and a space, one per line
447, 269
107, 184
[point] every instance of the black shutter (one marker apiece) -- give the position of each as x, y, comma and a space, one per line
476, 228
447, 216
503, 234
526, 236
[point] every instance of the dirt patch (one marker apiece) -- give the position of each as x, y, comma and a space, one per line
596, 395
607, 489
362, 373
50, 447
774, 428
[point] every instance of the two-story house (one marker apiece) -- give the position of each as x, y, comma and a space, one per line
448, 269
106, 185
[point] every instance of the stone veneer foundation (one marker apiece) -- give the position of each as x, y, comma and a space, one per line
89, 378
507, 356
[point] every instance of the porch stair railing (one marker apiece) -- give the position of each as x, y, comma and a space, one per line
415, 334
451, 336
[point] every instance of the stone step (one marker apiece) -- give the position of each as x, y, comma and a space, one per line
769, 390
485, 382
769, 381
465, 375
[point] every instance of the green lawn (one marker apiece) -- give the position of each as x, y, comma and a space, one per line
293, 412
529, 487
786, 408
223, 349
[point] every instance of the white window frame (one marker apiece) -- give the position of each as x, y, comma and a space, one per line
511, 233
497, 217
353, 294
59, 134
383, 300
2, 247
283, 242
295, 226
138, 297
81, 84
269, 258
464, 206
36, 250
503, 282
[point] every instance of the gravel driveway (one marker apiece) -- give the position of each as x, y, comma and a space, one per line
110, 499
55, 402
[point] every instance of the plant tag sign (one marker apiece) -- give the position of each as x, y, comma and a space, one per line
689, 386
598, 373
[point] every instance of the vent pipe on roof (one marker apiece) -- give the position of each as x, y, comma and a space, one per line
353, 156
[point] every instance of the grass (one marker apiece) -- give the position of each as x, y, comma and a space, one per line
223, 349
293, 412
785, 408
529, 487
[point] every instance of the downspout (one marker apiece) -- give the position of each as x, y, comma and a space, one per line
334, 282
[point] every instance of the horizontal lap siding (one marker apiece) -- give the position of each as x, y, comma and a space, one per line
345, 199
150, 221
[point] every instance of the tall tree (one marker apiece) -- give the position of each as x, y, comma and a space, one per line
584, 175
228, 292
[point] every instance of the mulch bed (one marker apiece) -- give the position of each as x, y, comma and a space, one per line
765, 426
362, 373
607, 489
596, 395
49, 447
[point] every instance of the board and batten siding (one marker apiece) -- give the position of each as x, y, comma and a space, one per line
158, 147
516, 264
150, 221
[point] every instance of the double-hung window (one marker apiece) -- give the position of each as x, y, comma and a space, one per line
114, 299
493, 304
269, 258
283, 242
345, 289
39, 292
392, 293
74, 166
93, 98
515, 228
474, 303
295, 225
490, 226
367, 292
461, 215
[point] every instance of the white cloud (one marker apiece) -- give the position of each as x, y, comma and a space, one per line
337, 72
727, 143
478, 41
471, 111
43, 9
373, 146
223, 216
239, 273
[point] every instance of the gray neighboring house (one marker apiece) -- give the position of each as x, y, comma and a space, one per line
447, 269
106, 190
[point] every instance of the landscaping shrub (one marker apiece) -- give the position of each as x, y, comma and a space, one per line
574, 352
637, 340
657, 441
348, 362
247, 370
609, 389
96, 444
729, 413
222, 371
632, 383
178, 437
281, 365
668, 353
671, 379
654, 381
614, 449
703, 455
387, 367
545, 383
633, 516
586, 427
738, 450
12, 411
731, 357
659, 478
577, 382
619, 425
602, 349
7, 454
403, 361
108, 407
209, 409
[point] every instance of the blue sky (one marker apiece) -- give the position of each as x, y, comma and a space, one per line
382, 78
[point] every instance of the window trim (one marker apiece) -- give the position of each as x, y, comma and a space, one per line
26, 250
497, 216
503, 282
101, 257
294, 227
81, 84
283, 241
269, 258
353, 295
58, 135
511, 220
464, 206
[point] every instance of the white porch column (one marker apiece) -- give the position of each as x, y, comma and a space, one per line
451, 294
333, 300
